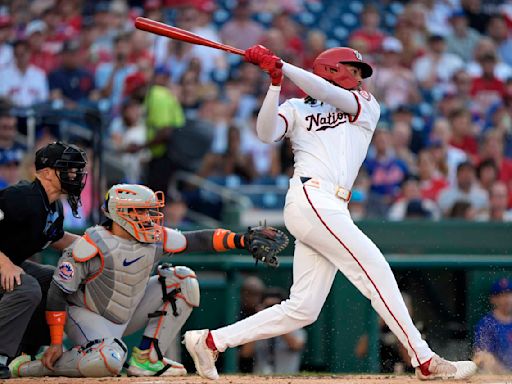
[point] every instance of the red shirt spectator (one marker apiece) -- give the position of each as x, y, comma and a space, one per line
463, 132
487, 89
369, 31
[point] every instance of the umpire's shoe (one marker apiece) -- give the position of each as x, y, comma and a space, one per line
5, 372
204, 357
439, 368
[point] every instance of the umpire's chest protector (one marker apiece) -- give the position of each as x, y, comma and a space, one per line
127, 265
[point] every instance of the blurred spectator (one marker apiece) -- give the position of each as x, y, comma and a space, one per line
486, 48
110, 77
413, 47
40, 56
446, 156
163, 114
11, 152
401, 138
477, 18
432, 181
264, 157
241, 31
23, 83
437, 65
291, 33
492, 148
466, 189
315, 44
232, 162
462, 84
493, 349
6, 52
128, 131
251, 295
214, 63
498, 31
70, 82
281, 354
487, 174
391, 83
411, 204
393, 357
463, 132
404, 115
498, 203
286, 158
175, 213
461, 210
386, 173
462, 40
487, 89
369, 32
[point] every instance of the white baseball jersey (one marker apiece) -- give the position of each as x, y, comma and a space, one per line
329, 144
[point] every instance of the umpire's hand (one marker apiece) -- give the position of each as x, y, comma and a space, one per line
9, 274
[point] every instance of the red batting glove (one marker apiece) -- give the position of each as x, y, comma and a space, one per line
273, 64
256, 53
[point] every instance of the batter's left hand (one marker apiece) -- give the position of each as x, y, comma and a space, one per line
51, 355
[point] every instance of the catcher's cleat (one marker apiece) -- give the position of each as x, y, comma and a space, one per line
140, 365
439, 368
204, 357
17, 364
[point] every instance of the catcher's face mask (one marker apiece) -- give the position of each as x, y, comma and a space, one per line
136, 208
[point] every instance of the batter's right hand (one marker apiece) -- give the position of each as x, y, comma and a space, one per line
51, 355
10, 274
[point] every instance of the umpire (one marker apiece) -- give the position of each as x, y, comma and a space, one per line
31, 218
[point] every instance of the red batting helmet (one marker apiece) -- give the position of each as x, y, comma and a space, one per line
327, 65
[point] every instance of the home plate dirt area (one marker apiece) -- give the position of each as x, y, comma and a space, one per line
251, 379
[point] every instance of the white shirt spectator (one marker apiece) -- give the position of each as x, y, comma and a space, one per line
502, 70
476, 196
447, 65
24, 89
6, 55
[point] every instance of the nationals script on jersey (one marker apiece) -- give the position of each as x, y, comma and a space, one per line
327, 143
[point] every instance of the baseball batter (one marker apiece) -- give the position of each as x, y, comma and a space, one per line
102, 290
330, 132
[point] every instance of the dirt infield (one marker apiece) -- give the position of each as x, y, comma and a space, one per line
231, 379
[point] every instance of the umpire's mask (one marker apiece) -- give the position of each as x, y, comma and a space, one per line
69, 161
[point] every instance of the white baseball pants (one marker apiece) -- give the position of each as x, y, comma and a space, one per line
327, 240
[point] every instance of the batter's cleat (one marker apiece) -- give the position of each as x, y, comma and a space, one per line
439, 368
140, 365
204, 357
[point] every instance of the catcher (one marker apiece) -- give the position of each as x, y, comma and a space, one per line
102, 289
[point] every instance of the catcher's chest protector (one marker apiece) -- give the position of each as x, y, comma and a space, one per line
127, 266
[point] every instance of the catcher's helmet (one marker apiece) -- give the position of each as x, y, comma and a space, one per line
69, 161
327, 65
136, 208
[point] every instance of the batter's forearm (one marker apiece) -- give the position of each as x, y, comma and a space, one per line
321, 89
268, 127
213, 240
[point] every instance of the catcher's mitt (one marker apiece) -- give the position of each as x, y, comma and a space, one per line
264, 243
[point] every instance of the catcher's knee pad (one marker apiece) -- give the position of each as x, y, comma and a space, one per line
103, 358
182, 294
182, 279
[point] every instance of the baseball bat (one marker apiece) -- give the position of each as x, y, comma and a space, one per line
176, 33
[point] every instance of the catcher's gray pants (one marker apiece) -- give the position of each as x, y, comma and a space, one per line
23, 309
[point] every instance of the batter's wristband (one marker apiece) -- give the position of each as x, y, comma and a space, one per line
56, 321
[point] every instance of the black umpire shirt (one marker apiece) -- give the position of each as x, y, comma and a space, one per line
28, 222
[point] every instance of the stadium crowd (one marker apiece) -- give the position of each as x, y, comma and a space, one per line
443, 77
